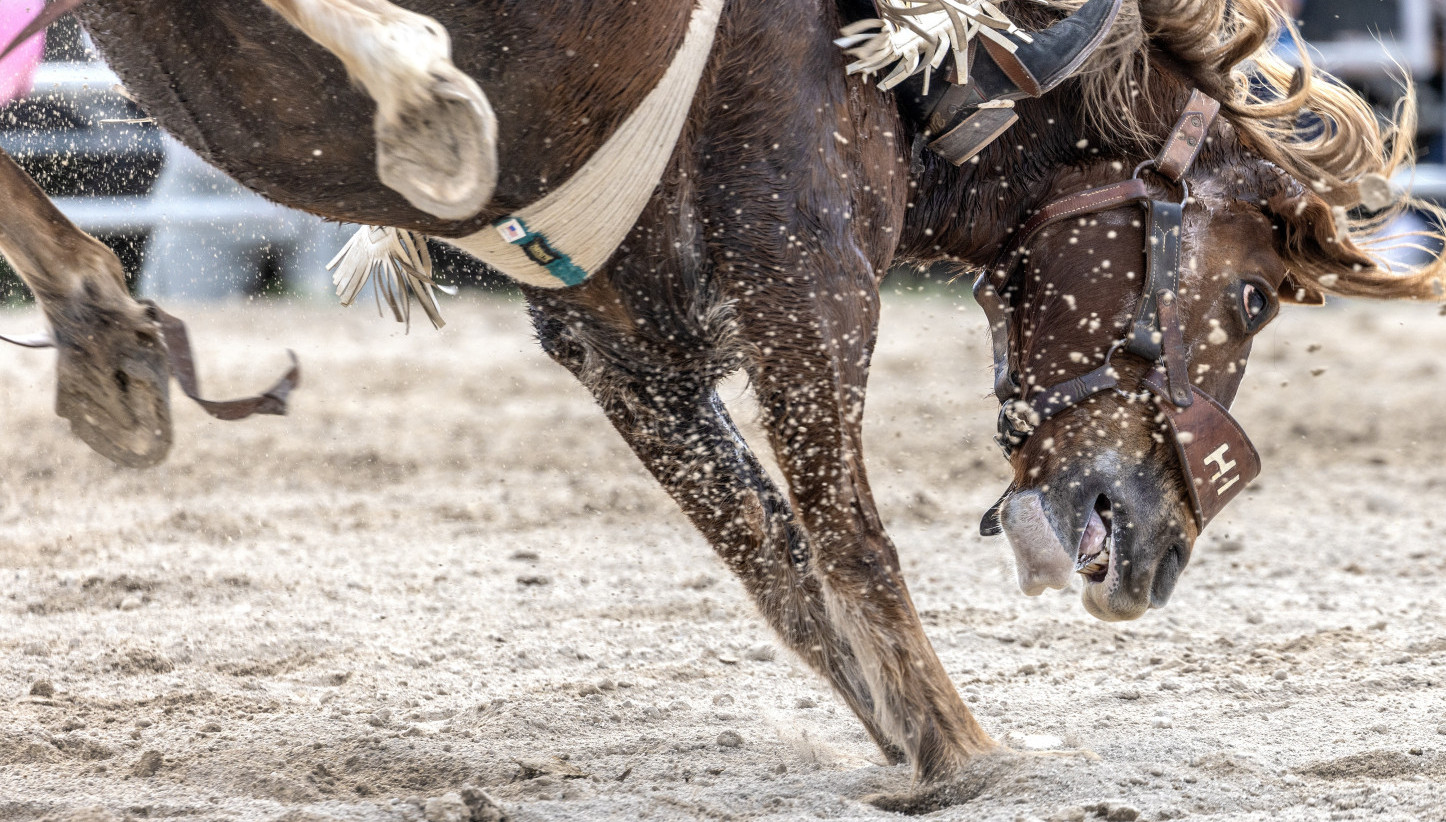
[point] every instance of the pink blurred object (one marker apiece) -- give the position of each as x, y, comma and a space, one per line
17, 70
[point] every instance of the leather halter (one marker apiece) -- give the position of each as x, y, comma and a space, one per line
1205, 435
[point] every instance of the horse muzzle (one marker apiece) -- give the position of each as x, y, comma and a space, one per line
1123, 530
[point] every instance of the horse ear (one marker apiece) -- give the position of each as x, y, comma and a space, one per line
1298, 292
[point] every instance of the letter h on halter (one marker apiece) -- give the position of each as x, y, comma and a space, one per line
1222, 467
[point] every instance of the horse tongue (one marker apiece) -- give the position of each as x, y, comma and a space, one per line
1041, 559
1093, 540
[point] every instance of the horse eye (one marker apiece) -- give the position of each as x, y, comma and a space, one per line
1254, 301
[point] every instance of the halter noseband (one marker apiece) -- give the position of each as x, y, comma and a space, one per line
1216, 457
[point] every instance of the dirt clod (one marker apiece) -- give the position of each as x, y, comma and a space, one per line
730, 739
552, 766
447, 808
149, 764
482, 807
761, 653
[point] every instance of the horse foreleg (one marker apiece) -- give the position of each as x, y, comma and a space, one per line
436, 133
679, 428
809, 377
112, 378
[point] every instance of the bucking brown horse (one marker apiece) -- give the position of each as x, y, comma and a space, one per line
1135, 229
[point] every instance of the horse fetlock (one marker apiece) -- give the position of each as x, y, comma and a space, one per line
935, 729
969, 780
909, 697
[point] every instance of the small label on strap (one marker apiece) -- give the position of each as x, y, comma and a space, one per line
539, 251
512, 230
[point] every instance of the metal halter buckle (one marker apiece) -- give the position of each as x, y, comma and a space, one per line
1152, 165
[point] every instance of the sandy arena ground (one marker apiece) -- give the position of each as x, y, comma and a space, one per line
444, 570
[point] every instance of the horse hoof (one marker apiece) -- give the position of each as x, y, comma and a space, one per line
113, 385
1033, 771
440, 149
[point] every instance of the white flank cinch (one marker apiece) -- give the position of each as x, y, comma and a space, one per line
587, 217
590, 215
916, 35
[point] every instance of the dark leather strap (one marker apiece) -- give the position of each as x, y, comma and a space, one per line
1174, 356
1091, 201
1162, 262
1018, 418
1216, 457
1058, 397
1188, 137
996, 312
183, 368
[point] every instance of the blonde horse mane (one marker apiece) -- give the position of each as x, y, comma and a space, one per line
1336, 165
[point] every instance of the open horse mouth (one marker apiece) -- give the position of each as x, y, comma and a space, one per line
1095, 558
1127, 563
1105, 563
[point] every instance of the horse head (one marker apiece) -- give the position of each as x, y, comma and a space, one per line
1130, 257
1105, 487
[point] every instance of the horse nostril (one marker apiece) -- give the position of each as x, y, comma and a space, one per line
1167, 573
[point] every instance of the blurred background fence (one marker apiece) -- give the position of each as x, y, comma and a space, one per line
183, 229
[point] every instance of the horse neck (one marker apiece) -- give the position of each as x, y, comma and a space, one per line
962, 214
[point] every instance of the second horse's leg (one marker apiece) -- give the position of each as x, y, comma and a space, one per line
112, 378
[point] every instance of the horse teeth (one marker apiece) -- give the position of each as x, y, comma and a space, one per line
1093, 564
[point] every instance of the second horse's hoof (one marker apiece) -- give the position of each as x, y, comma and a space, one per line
112, 380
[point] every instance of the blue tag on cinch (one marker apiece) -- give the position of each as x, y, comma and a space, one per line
538, 250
